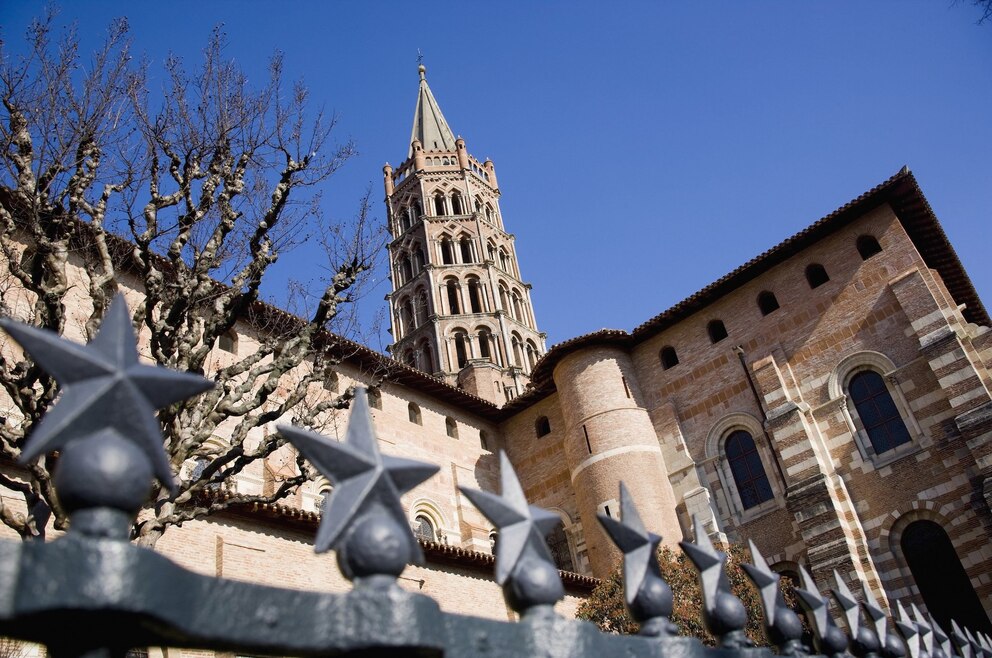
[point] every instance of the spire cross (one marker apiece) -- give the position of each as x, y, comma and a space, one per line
420, 57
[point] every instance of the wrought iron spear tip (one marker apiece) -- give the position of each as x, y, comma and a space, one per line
523, 565
940, 637
848, 604
961, 640
923, 628
639, 547
907, 629
364, 506
814, 602
765, 580
875, 613
104, 387
976, 648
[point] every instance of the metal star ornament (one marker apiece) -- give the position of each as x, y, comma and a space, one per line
365, 481
522, 527
103, 386
875, 613
923, 628
907, 629
765, 580
639, 547
961, 640
848, 604
710, 564
942, 643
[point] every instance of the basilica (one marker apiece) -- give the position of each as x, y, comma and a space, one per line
829, 399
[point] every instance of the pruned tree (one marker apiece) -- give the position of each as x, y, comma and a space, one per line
187, 195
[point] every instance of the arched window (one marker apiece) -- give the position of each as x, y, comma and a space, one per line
418, 210
504, 260
517, 345
558, 544
475, 295
418, 259
447, 253
767, 302
716, 330
228, 341
421, 307
493, 541
406, 317
748, 471
868, 246
816, 275
943, 583
331, 382
375, 399
451, 427
531, 355
518, 313
413, 411
878, 413
456, 204
451, 285
405, 221
461, 348
504, 297
439, 205
466, 248
423, 528
542, 426
669, 359
409, 358
485, 342
490, 212
426, 357
483, 440
478, 204
491, 249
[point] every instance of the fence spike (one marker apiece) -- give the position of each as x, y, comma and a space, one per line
647, 595
976, 648
961, 640
829, 639
524, 566
875, 613
907, 629
782, 624
924, 629
864, 640
363, 518
723, 613
941, 642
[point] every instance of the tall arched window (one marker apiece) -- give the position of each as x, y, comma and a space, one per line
447, 253
716, 330
518, 313
409, 358
413, 411
485, 343
748, 471
878, 413
418, 259
542, 426
465, 244
943, 583
426, 357
439, 205
504, 260
504, 298
475, 295
669, 359
421, 307
868, 246
491, 250
451, 286
816, 275
767, 302
407, 322
418, 210
461, 348
228, 341
490, 213
451, 427
517, 345
558, 545
456, 204
531, 355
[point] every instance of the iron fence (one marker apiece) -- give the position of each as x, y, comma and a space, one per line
93, 593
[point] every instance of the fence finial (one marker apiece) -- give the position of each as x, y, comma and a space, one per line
941, 641
723, 613
864, 640
363, 519
782, 624
523, 565
924, 629
907, 629
647, 595
829, 639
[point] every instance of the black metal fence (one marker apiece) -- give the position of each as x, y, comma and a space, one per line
93, 593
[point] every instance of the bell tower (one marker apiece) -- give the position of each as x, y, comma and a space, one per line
458, 307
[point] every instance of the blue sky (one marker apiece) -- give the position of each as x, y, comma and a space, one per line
643, 149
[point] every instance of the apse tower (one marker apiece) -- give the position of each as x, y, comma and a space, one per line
459, 308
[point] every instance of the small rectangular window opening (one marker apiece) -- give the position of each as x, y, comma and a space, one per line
586, 434
606, 508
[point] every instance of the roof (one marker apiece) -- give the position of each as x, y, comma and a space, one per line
901, 192
429, 126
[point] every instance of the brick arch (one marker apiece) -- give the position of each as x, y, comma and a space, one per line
738, 419
430, 509
852, 363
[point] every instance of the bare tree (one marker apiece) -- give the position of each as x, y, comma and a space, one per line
189, 193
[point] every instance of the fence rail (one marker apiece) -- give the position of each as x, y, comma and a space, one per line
93, 593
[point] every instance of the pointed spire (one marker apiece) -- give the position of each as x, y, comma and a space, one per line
429, 126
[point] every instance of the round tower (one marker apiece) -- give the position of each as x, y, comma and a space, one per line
609, 437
